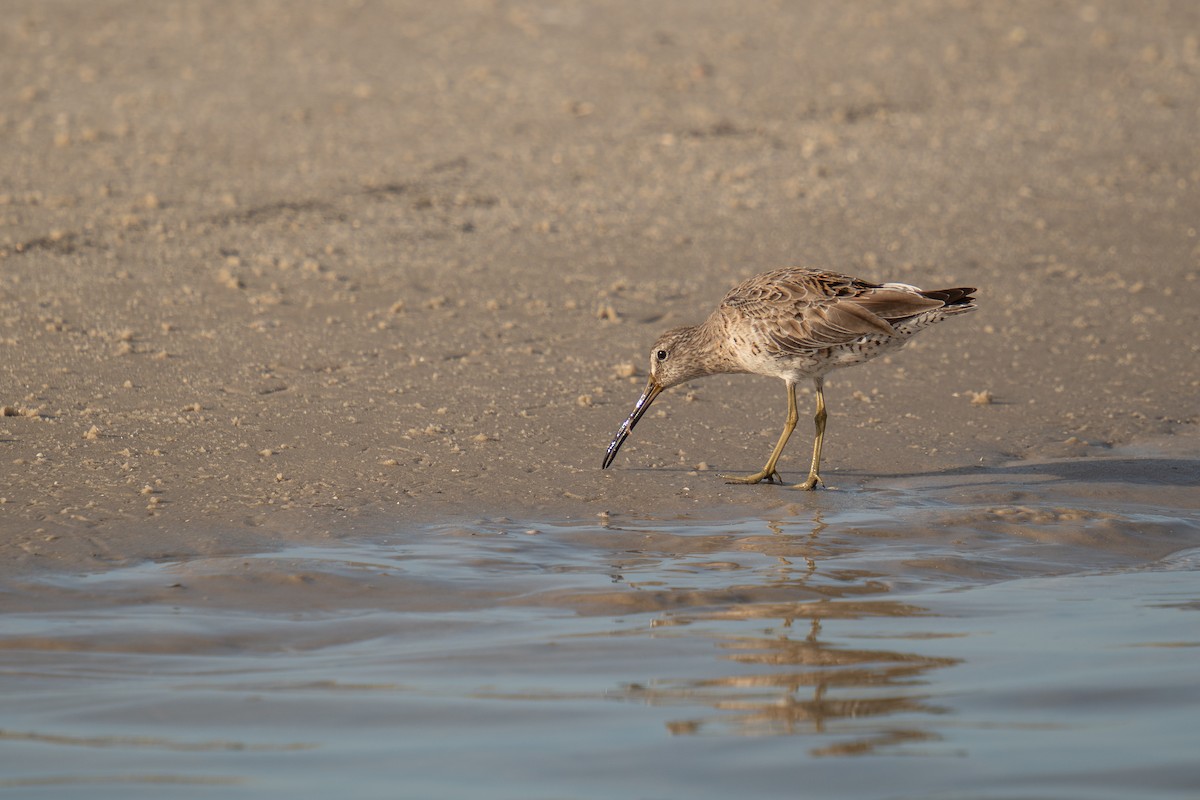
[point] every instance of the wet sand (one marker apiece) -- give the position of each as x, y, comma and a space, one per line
278, 276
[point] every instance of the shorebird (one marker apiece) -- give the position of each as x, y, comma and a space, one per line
793, 324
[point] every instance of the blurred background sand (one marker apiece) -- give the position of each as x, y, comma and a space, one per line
281, 271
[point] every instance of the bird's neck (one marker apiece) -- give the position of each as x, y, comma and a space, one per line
719, 357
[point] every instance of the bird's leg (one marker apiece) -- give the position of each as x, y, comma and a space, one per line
819, 417
768, 472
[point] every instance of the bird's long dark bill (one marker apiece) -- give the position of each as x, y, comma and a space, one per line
652, 390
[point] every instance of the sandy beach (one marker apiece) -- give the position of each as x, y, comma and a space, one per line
316, 319
278, 273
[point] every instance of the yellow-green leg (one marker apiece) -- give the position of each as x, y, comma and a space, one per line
768, 472
814, 479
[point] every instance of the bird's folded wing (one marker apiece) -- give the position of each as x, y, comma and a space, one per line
891, 304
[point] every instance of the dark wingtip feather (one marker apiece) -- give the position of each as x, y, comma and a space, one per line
952, 297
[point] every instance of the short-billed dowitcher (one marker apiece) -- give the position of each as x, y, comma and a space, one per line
793, 324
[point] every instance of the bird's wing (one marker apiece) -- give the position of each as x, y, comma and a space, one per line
799, 311
894, 304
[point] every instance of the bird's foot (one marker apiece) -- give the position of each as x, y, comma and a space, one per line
770, 476
811, 483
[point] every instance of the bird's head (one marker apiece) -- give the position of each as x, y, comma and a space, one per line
674, 359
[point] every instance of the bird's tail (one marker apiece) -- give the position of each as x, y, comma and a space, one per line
953, 300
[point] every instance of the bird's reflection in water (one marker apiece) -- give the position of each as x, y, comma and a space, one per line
853, 700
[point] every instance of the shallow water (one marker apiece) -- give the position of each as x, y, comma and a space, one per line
993, 637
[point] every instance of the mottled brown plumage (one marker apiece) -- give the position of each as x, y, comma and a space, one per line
793, 324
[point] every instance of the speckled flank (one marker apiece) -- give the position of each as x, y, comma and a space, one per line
794, 324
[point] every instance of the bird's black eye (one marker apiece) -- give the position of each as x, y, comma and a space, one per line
661, 355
